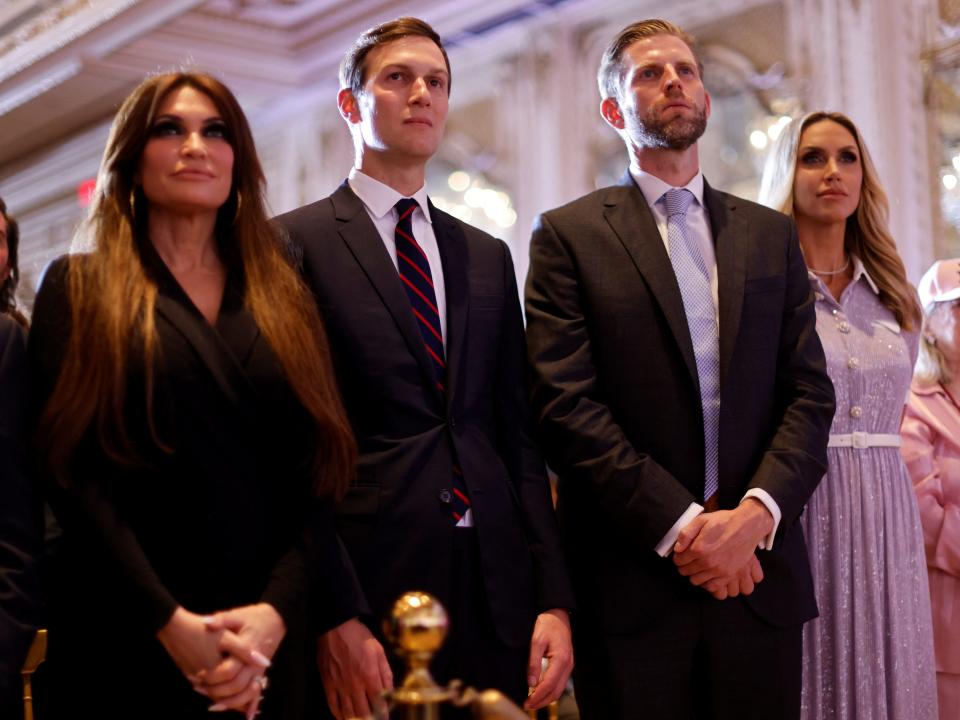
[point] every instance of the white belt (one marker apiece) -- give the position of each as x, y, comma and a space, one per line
861, 440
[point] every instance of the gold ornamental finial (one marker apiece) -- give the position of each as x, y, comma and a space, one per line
417, 627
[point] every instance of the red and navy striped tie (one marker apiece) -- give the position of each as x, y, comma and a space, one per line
418, 282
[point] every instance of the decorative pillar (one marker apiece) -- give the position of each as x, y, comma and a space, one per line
862, 58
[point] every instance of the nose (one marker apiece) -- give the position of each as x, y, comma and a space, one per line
420, 92
671, 78
193, 144
831, 169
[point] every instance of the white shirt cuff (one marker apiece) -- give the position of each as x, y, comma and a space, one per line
771, 505
665, 546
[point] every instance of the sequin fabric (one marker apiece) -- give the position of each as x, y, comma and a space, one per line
869, 656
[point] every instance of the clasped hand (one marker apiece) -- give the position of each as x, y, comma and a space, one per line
225, 655
717, 550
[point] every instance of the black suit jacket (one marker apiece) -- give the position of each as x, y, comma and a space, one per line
394, 519
20, 519
617, 395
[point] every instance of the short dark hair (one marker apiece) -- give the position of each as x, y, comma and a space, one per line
353, 65
9, 287
610, 74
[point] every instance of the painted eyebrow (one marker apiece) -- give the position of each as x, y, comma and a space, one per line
179, 118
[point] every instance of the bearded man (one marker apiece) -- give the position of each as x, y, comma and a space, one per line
682, 399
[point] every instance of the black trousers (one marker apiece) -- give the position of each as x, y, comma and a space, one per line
702, 659
473, 651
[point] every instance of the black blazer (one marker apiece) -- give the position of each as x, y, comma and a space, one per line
20, 520
225, 516
617, 395
395, 520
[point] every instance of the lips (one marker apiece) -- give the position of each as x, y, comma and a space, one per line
418, 121
195, 173
832, 193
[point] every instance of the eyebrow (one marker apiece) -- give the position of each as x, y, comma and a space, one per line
179, 118
404, 66
817, 147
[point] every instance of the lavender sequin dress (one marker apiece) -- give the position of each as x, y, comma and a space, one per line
869, 656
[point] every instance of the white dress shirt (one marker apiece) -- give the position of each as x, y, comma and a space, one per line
698, 226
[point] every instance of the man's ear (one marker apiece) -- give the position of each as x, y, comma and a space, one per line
349, 107
706, 96
610, 110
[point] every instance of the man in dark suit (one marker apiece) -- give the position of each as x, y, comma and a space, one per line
425, 328
682, 399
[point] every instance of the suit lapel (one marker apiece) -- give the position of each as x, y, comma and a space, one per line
628, 214
730, 243
453, 255
363, 240
213, 350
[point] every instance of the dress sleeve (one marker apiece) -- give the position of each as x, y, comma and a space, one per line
88, 506
316, 570
919, 438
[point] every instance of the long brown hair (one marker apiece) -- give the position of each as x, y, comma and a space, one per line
112, 298
868, 231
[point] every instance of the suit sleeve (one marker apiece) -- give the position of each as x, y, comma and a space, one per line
335, 594
20, 518
517, 447
795, 459
581, 437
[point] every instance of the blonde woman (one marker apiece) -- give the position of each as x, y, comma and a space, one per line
870, 653
931, 449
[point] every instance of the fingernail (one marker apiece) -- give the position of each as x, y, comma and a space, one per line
217, 707
259, 658
201, 691
208, 620
532, 680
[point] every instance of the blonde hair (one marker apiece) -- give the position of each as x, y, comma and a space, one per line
867, 234
112, 299
932, 367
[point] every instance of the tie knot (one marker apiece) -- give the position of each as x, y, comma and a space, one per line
405, 207
677, 201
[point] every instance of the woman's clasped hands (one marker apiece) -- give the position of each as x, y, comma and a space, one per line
226, 655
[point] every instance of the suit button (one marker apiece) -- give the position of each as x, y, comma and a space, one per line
453, 422
445, 496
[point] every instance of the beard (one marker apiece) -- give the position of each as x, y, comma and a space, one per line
678, 133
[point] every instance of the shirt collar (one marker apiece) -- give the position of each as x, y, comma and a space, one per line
380, 198
653, 187
859, 271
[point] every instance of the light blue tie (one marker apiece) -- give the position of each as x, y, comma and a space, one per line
694, 280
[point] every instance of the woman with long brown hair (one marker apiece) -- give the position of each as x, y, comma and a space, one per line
190, 425
870, 652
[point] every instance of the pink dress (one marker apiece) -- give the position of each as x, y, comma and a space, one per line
931, 449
